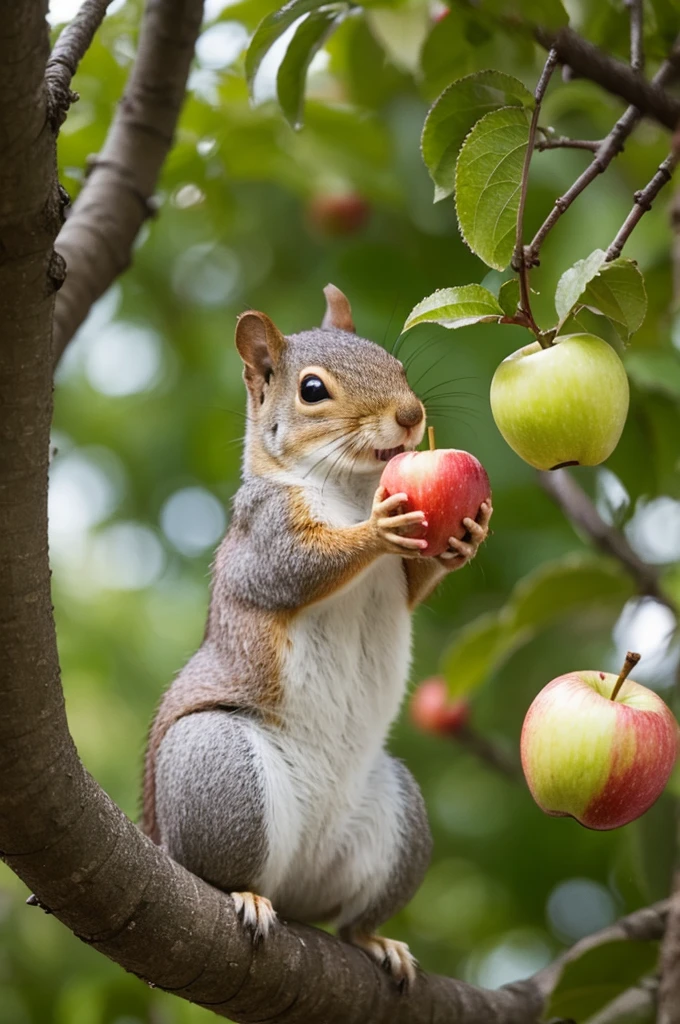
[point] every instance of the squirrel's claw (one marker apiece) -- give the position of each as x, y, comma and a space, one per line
394, 956
256, 912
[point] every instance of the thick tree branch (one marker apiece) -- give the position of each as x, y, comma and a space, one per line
580, 511
588, 61
69, 50
97, 239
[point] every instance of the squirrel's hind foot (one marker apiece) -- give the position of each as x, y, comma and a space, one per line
256, 912
394, 956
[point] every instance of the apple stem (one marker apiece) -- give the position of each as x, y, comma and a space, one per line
629, 664
430, 438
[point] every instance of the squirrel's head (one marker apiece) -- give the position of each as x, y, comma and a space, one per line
324, 400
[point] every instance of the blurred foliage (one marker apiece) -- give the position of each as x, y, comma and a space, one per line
148, 427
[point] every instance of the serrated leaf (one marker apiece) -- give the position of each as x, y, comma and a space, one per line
488, 181
309, 37
574, 281
561, 588
477, 650
618, 292
615, 290
453, 115
598, 976
273, 26
508, 296
456, 307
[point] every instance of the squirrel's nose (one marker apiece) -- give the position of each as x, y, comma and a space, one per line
409, 415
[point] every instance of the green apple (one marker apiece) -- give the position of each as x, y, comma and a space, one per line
564, 405
598, 749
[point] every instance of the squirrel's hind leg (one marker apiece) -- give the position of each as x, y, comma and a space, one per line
392, 796
210, 808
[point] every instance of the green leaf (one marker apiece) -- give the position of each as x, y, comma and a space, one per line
456, 307
453, 115
615, 290
401, 32
655, 370
574, 281
479, 648
488, 179
618, 292
561, 588
552, 592
508, 296
273, 26
598, 976
309, 37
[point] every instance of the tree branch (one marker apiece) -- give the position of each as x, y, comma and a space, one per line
563, 142
643, 202
588, 61
97, 239
580, 511
69, 50
645, 925
637, 53
519, 262
610, 147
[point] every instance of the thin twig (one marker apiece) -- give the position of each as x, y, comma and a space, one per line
487, 751
581, 512
645, 925
611, 146
637, 53
643, 202
564, 142
69, 50
518, 260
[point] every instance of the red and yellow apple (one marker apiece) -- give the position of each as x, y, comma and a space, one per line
338, 214
601, 761
433, 711
447, 484
565, 405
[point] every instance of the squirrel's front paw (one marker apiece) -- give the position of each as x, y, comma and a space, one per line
256, 912
388, 523
395, 957
463, 551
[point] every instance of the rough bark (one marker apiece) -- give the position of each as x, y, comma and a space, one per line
97, 239
69, 50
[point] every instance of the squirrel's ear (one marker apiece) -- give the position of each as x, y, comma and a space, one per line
338, 310
259, 343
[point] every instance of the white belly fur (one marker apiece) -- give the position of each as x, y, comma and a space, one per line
344, 679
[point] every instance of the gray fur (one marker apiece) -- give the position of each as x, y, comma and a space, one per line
264, 568
209, 799
411, 861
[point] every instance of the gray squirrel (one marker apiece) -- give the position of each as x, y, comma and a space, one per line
266, 772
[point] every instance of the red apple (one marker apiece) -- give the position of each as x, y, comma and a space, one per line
601, 761
339, 214
432, 711
446, 484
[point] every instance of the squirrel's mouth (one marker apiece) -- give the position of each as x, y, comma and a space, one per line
385, 454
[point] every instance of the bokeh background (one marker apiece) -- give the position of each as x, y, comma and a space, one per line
147, 448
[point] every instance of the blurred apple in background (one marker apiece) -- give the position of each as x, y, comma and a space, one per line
600, 760
432, 710
338, 214
565, 405
447, 484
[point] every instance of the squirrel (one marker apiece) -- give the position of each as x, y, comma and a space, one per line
266, 772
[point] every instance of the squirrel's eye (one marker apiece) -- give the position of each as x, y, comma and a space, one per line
313, 389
